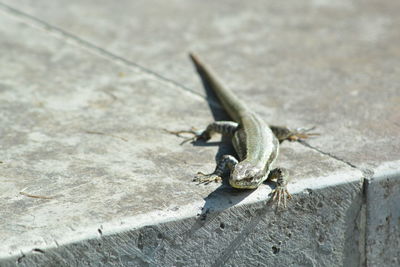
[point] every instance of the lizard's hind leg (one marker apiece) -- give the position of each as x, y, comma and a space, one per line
222, 127
280, 193
196, 134
284, 133
227, 162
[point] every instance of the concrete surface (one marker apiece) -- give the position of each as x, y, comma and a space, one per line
383, 217
86, 89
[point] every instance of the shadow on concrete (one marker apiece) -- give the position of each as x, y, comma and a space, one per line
224, 196
219, 114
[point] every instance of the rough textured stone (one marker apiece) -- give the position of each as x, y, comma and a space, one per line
86, 89
316, 229
383, 221
300, 63
88, 133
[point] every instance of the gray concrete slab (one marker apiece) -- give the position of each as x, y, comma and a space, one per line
81, 151
87, 88
301, 63
78, 128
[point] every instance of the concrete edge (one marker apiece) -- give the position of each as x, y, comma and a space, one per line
222, 199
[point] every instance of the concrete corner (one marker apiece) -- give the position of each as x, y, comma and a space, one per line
383, 217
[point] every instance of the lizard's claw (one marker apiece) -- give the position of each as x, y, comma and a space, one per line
301, 133
202, 178
280, 194
196, 135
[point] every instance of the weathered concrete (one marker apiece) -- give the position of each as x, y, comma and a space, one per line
86, 90
383, 216
302, 63
318, 228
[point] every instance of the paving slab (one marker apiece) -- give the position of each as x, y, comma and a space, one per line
87, 89
75, 128
301, 63
82, 156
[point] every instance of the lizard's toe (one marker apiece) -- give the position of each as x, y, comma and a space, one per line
302, 133
195, 135
202, 178
280, 195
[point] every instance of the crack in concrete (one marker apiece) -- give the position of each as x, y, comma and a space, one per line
363, 223
63, 34
304, 143
115, 59
367, 173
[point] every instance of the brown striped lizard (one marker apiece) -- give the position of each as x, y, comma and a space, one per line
255, 142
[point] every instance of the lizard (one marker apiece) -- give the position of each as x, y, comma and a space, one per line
255, 142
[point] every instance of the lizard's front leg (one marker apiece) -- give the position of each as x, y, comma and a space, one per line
284, 133
222, 127
227, 162
280, 193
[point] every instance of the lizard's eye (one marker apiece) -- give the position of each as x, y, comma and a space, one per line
250, 173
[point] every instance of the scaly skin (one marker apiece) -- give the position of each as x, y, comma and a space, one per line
254, 142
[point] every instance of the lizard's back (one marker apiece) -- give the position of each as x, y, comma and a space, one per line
254, 140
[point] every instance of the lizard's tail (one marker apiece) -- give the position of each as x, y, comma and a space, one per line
228, 99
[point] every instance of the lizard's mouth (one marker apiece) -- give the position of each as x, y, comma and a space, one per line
245, 183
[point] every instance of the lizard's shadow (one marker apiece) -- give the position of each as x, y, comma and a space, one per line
219, 114
217, 201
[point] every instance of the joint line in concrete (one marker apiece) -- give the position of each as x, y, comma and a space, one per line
34, 21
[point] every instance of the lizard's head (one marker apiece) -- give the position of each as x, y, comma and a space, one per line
246, 176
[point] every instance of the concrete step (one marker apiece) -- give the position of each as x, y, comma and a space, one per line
89, 176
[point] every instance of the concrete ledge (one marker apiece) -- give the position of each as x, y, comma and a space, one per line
88, 175
320, 226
